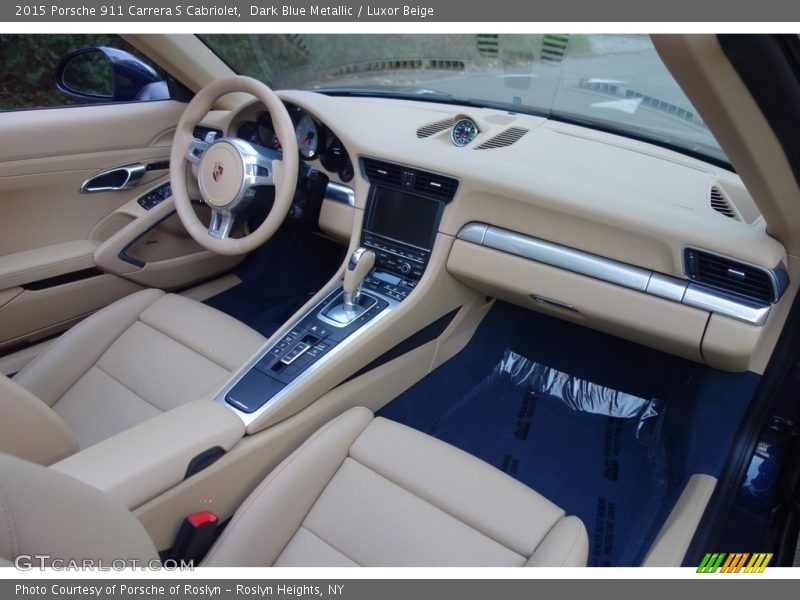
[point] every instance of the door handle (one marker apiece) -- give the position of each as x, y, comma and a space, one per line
114, 179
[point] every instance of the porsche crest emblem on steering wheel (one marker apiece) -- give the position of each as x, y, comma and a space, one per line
216, 174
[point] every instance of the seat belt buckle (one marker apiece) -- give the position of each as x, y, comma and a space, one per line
195, 537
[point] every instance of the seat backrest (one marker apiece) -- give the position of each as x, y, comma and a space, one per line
46, 513
29, 428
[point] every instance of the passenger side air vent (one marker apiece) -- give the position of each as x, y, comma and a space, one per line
424, 183
435, 185
720, 203
382, 172
731, 276
434, 128
506, 138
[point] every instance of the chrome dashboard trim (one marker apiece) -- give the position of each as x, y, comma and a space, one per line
277, 399
570, 259
618, 273
717, 301
473, 232
340, 193
667, 287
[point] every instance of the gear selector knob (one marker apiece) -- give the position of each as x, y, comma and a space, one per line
359, 266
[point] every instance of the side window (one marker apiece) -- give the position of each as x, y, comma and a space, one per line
42, 71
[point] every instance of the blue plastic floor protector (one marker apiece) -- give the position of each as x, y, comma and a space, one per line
572, 456
608, 471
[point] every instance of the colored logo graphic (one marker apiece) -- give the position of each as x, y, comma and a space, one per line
216, 174
739, 562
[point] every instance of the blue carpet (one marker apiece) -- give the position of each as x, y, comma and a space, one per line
279, 278
622, 485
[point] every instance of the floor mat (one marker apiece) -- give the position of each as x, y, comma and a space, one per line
279, 278
592, 465
617, 471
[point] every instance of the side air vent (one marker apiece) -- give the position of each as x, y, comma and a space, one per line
733, 276
720, 203
435, 185
419, 182
382, 172
433, 128
506, 138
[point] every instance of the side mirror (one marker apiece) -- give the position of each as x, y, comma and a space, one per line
104, 74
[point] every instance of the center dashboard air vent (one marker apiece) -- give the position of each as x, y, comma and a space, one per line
377, 171
503, 139
425, 183
732, 276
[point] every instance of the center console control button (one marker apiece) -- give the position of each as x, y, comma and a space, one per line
318, 330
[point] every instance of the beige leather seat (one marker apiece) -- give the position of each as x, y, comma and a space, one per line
360, 491
143, 355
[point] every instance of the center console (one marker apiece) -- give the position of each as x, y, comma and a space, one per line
399, 230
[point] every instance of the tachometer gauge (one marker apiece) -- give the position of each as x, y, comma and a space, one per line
308, 137
464, 132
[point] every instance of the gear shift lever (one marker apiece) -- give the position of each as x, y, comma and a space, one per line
361, 263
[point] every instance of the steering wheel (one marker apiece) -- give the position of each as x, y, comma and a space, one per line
228, 170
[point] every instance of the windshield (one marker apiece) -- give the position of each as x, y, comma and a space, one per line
613, 82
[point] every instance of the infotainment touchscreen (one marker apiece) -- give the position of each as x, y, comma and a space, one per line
402, 217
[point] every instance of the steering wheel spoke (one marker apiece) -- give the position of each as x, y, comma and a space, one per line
196, 150
263, 171
221, 225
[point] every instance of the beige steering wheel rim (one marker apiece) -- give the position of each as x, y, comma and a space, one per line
284, 173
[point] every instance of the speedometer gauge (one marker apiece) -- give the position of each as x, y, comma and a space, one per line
308, 137
464, 132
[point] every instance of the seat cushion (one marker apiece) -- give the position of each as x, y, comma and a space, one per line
372, 492
143, 355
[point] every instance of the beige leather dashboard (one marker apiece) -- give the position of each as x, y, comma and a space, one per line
596, 194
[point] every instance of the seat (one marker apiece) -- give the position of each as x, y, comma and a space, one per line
361, 491
138, 357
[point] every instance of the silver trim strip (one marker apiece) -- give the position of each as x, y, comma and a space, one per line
473, 232
666, 286
619, 273
340, 193
563, 257
279, 398
706, 298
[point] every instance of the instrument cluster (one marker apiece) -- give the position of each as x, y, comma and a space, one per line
314, 140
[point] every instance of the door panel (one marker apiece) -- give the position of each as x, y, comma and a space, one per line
50, 231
